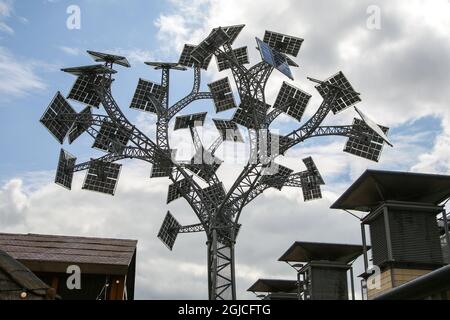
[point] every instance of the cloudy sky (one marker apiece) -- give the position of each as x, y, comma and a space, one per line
396, 53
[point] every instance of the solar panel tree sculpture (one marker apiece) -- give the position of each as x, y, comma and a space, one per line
217, 209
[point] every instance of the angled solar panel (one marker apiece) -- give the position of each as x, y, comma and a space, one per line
207, 47
283, 43
228, 130
292, 101
222, 95
313, 171
111, 138
190, 121
347, 98
311, 190
187, 61
59, 117
97, 69
64, 173
248, 109
83, 89
83, 122
169, 231
102, 177
146, 91
233, 32
366, 143
164, 65
174, 190
216, 192
274, 58
277, 176
110, 58
240, 55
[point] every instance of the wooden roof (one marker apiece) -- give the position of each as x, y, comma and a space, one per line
16, 278
47, 253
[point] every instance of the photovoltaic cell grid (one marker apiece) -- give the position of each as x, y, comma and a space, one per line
233, 32
229, 130
222, 95
368, 145
312, 169
53, 118
207, 47
111, 58
244, 114
102, 177
64, 173
274, 58
278, 178
83, 122
190, 121
97, 69
216, 194
144, 90
311, 190
169, 231
174, 193
111, 138
283, 43
292, 101
164, 166
187, 61
82, 90
240, 54
345, 99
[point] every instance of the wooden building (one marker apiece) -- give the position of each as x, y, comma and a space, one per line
17, 282
107, 266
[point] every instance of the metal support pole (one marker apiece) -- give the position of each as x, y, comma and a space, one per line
352, 282
447, 235
364, 242
388, 234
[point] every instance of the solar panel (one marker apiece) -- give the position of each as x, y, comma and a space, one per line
84, 121
187, 61
283, 43
163, 166
145, 92
207, 47
102, 177
111, 138
244, 114
240, 54
278, 178
54, 116
292, 101
110, 58
228, 130
232, 31
313, 171
311, 190
375, 127
216, 193
346, 98
97, 69
169, 65
190, 121
278, 141
222, 95
368, 144
64, 173
83, 91
169, 231
274, 58
174, 193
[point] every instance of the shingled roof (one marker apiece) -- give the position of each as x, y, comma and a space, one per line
48, 253
15, 279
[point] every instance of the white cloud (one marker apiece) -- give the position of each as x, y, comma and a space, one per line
70, 50
6, 9
18, 77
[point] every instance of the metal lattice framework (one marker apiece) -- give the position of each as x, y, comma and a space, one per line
217, 209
